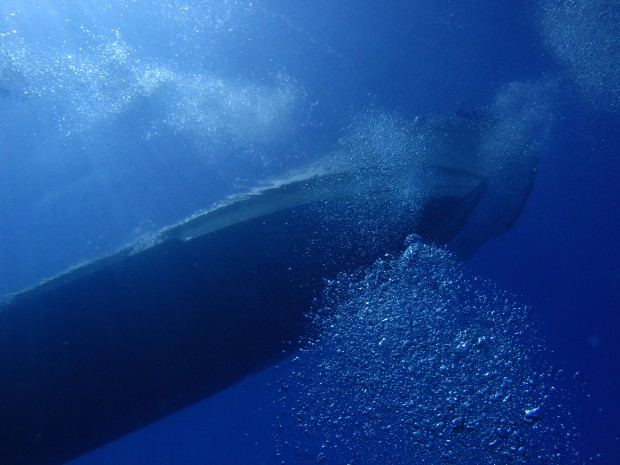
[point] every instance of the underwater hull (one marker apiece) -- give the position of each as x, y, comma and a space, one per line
116, 349
113, 350
118, 343
119, 348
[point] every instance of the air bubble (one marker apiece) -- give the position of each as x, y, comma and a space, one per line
533, 415
421, 401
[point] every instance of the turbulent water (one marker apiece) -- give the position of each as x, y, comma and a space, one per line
413, 358
119, 118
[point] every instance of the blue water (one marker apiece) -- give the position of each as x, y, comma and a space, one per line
118, 118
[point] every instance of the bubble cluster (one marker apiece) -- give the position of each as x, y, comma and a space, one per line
106, 79
400, 166
99, 76
412, 361
583, 35
209, 21
217, 113
382, 165
83, 86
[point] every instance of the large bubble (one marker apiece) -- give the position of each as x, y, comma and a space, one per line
414, 362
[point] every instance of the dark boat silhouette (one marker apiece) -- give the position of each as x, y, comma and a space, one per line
117, 343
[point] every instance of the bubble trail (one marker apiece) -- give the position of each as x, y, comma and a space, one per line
412, 361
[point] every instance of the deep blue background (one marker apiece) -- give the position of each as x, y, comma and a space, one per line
68, 197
